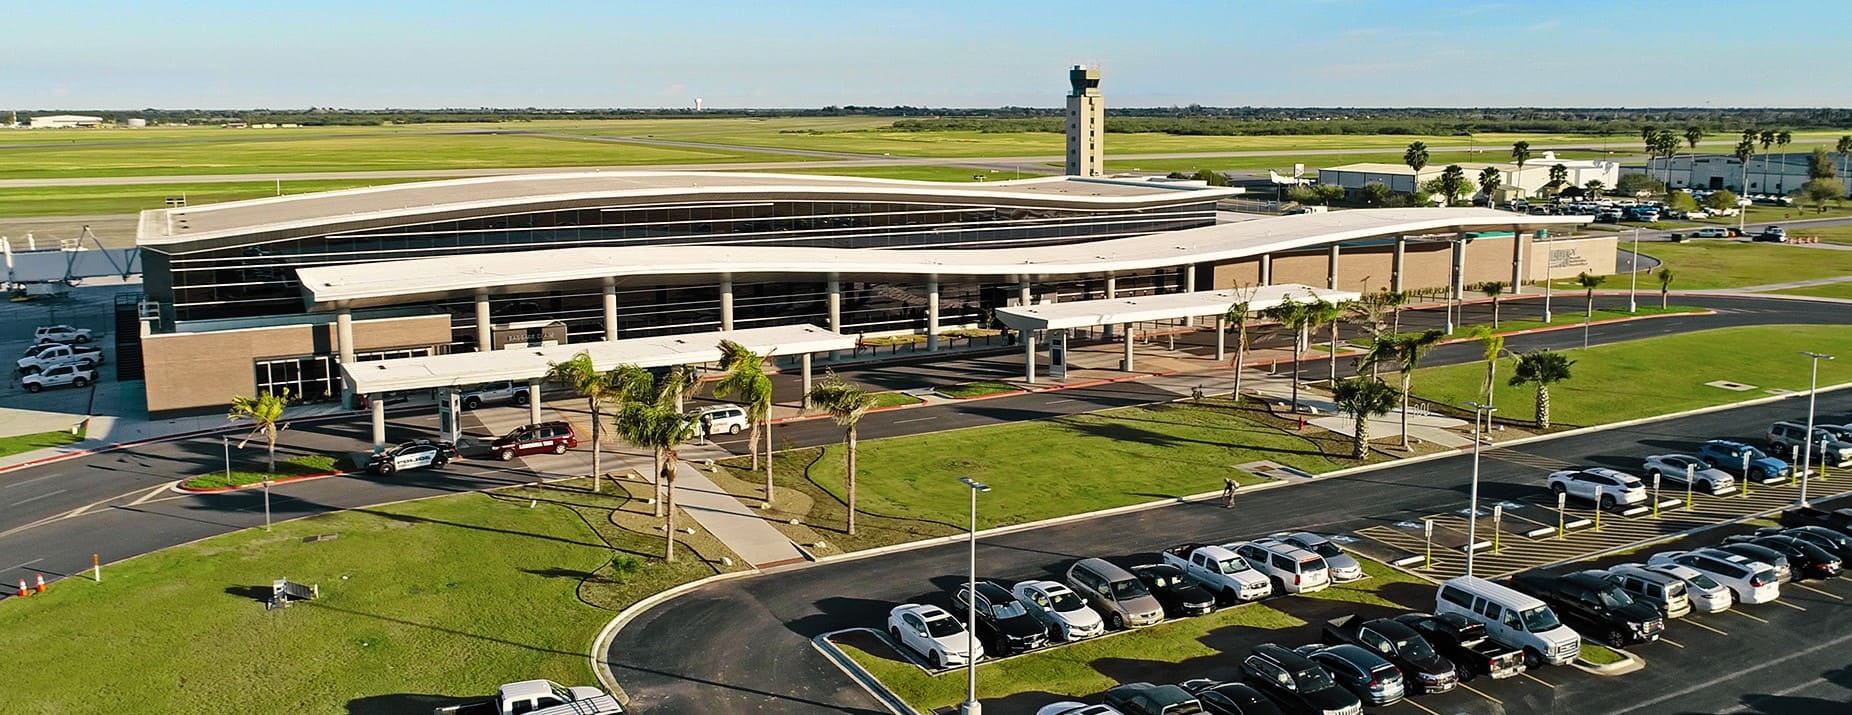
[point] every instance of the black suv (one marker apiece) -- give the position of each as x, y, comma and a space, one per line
1804, 557
1148, 699
1297, 682
1174, 590
1005, 624
1426, 671
1596, 602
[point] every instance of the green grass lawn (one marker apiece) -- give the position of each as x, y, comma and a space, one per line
1777, 214
1313, 162
1729, 264
924, 173
286, 467
1366, 591
1826, 234
895, 399
1599, 654
41, 440
1070, 669
1568, 309
1831, 290
421, 602
1655, 376
978, 389
133, 198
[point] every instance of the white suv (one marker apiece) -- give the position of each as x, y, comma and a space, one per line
59, 376
1292, 569
1605, 487
1752, 582
60, 334
716, 419
931, 632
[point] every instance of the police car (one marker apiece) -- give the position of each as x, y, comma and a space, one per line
412, 455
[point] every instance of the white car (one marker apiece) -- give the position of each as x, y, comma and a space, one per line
722, 419
58, 376
1066, 615
933, 633
60, 334
1672, 468
1605, 487
1711, 232
1292, 569
1344, 568
1707, 596
1752, 582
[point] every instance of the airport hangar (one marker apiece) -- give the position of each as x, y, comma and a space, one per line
639, 266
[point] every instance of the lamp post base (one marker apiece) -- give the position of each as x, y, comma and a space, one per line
970, 707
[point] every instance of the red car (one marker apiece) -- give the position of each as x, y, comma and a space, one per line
555, 437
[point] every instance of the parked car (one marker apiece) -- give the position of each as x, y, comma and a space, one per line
1115, 593
58, 376
1004, 624
45, 355
1220, 570
539, 697
1605, 487
1711, 233
1672, 468
1515, 618
1232, 698
1789, 437
1784, 571
555, 437
504, 391
1180, 596
1836, 542
1465, 643
1344, 568
1591, 600
932, 633
1069, 707
415, 454
1771, 234
1704, 593
1297, 682
1149, 699
1370, 677
1425, 670
1750, 581
1728, 456
716, 419
1292, 569
1066, 616
1839, 520
61, 334
1806, 559
1662, 591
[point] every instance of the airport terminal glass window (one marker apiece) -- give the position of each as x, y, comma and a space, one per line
315, 378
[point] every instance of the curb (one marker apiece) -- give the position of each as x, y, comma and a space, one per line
602, 643
1627, 664
888, 698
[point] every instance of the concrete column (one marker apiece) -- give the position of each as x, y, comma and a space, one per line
1331, 268
932, 315
1459, 270
1022, 290
726, 302
1126, 363
1189, 278
483, 334
1395, 268
1028, 356
533, 402
805, 398
1221, 338
835, 304
610, 309
1266, 269
1517, 259
344, 334
378, 403
1112, 291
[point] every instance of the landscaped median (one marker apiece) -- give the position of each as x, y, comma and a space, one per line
288, 469
969, 390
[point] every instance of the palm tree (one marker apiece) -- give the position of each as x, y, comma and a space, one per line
1693, 135
1559, 175
1297, 317
1744, 150
1238, 314
745, 380
598, 389
1492, 289
1541, 368
1396, 300
1594, 187
846, 404
1491, 346
1489, 180
1520, 155
1844, 149
263, 410
1767, 138
1590, 282
662, 429
1407, 350
1363, 398
1452, 183
1665, 276
1667, 143
1325, 313
1416, 158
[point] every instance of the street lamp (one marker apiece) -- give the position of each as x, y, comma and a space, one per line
1813, 390
1472, 507
1633, 275
970, 706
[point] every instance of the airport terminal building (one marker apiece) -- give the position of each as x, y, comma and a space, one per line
277, 293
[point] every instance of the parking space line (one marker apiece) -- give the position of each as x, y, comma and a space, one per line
1745, 615
1789, 605
1673, 643
1545, 683
1477, 692
1833, 596
1423, 708
1717, 631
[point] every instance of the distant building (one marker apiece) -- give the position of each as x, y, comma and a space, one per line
1768, 174
137, 123
1513, 184
1086, 122
65, 121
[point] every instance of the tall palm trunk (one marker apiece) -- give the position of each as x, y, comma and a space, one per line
271, 442
850, 440
1241, 350
1406, 377
1396, 316
1491, 377
1663, 293
1334, 353
657, 486
597, 449
1494, 311
752, 443
667, 477
1543, 406
1363, 437
768, 457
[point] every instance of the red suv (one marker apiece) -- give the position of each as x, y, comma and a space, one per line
555, 437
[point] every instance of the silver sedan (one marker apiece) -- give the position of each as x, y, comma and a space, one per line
1673, 467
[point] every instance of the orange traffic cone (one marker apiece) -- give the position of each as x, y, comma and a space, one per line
22, 589
41, 587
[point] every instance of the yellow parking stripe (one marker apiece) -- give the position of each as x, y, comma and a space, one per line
1833, 596
1745, 615
1668, 641
1475, 691
1717, 631
1545, 683
1789, 605
1423, 708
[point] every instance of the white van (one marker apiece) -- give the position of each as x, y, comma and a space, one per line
1512, 618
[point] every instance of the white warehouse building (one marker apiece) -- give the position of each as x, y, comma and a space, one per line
1768, 174
1532, 180
65, 121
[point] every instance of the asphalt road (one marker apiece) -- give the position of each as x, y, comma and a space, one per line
684, 656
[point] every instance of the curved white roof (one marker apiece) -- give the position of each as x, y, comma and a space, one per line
391, 282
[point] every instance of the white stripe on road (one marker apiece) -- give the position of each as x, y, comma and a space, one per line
1789, 605
1833, 596
29, 481
1064, 399
1717, 631
41, 496
1733, 675
916, 419
21, 566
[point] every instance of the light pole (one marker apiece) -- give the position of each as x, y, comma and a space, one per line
970, 706
1472, 507
1633, 275
1813, 389
1549, 269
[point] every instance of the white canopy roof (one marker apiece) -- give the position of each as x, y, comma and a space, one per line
459, 369
1114, 311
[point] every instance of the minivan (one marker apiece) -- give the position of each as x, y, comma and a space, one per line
1115, 593
1511, 617
1659, 590
1789, 436
716, 419
555, 437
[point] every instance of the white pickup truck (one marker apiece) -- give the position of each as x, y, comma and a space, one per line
539, 697
60, 334
1220, 570
58, 376
47, 355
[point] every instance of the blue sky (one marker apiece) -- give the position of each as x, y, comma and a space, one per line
800, 53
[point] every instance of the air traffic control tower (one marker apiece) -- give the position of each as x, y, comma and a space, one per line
1086, 122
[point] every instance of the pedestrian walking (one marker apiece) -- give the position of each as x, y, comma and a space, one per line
1228, 493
